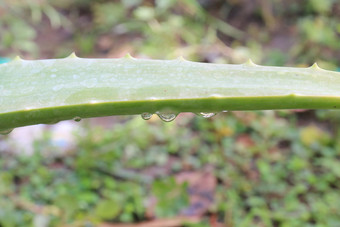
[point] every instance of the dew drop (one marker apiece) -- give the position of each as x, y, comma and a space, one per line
206, 115
146, 116
77, 119
52, 122
6, 131
167, 117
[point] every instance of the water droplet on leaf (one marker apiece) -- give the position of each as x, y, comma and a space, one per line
6, 131
52, 122
206, 115
77, 119
146, 116
167, 117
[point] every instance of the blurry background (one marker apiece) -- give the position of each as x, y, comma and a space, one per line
265, 168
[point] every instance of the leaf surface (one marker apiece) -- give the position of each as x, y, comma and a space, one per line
47, 91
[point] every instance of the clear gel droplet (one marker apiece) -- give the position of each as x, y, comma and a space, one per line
207, 115
52, 122
167, 117
146, 116
77, 119
6, 132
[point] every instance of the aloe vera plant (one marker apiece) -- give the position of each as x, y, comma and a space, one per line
48, 91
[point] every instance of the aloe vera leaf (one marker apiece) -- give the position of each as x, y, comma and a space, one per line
48, 91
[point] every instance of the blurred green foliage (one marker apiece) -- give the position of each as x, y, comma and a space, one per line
272, 168
273, 32
271, 172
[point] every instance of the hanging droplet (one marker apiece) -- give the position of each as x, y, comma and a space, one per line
167, 117
52, 122
6, 131
146, 116
206, 115
77, 119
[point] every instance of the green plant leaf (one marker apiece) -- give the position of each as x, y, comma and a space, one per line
48, 91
